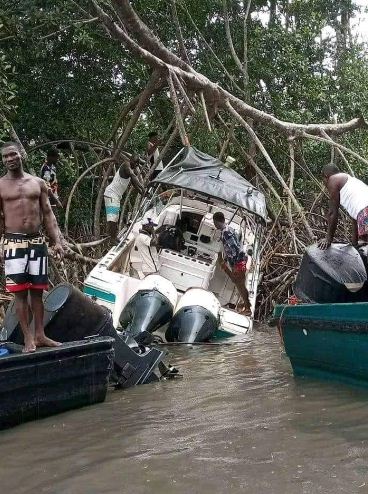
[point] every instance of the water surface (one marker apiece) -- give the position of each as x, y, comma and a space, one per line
237, 422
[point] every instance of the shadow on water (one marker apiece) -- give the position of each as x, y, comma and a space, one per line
237, 422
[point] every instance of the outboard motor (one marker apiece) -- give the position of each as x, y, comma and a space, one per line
335, 275
196, 317
150, 309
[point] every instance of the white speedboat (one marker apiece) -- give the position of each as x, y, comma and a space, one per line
190, 298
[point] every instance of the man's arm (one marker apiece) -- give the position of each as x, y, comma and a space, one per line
133, 177
55, 198
2, 228
151, 148
2, 219
136, 183
154, 240
333, 214
49, 220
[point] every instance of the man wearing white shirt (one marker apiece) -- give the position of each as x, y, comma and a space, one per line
116, 189
350, 193
144, 256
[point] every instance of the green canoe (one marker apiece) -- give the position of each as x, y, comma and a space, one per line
328, 341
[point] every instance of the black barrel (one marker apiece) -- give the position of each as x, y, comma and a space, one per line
11, 324
329, 276
69, 316
72, 315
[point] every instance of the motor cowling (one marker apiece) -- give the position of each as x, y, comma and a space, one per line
196, 317
150, 309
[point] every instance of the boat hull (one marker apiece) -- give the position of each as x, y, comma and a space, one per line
326, 341
53, 380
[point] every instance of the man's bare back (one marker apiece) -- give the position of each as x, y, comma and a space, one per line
20, 201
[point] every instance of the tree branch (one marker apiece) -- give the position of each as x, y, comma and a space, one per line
254, 136
182, 49
179, 118
183, 93
203, 102
245, 51
324, 134
145, 36
88, 170
230, 39
144, 97
77, 23
330, 142
221, 65
152, 49
291, 187
124, 112
251, 161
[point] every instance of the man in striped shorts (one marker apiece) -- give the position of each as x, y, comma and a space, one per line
24, 208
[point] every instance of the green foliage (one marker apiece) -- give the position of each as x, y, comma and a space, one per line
70, 79
7, 94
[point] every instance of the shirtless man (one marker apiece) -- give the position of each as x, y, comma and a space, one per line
350, 193
24, 206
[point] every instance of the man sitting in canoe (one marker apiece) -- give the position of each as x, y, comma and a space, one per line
350, 193
234, 257
24, 206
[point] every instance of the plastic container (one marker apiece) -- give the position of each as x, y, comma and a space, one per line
4, 352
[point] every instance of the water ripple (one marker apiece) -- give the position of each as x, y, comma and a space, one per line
237, 422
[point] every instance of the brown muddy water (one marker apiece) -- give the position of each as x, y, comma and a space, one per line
236, 422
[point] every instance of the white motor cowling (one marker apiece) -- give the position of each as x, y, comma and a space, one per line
196, 317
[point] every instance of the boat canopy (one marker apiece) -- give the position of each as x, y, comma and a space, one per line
200, 172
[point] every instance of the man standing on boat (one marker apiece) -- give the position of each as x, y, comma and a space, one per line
24, 207
234, 261
144, 257
115, 190
350, 193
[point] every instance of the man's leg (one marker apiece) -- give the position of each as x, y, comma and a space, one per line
112, 206
238, 278
37, 308
112, 229
22, 311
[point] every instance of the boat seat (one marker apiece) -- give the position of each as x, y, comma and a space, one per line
184, 271
168, 217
